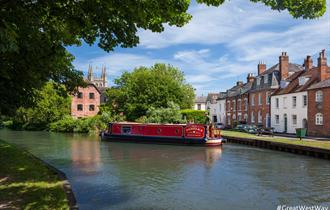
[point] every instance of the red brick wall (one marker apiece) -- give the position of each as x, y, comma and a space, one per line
314, 108
85, 101
235, 109
264, 108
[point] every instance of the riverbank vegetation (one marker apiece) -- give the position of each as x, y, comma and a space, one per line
147, 95
286, 140
26, 183
159, 86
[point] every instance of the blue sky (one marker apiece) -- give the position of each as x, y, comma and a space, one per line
219, 46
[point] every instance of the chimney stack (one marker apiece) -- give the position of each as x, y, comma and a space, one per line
250, 78
284, 66
308, 63
261, 68
322, 66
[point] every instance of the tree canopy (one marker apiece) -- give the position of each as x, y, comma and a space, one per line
137, 91
34, 34
51, 105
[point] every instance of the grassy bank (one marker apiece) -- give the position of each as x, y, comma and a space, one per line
26, 183
294, 141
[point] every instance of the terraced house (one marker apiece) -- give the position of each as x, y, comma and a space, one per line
237, 102
265, 84
301, 101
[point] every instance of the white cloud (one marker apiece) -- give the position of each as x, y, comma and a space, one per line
246, 33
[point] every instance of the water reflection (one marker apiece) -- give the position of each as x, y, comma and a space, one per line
85, 155
109, 175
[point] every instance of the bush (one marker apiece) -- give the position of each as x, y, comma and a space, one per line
84, 125
67, 124
171, 114
197, 116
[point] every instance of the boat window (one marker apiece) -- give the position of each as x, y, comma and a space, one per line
126, 130
158, 131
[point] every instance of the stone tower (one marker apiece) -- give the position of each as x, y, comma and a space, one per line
97, 81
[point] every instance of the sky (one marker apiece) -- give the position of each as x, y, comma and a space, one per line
218, 47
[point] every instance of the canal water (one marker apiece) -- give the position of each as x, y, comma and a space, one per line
108, 175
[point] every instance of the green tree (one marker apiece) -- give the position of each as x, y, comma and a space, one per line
33, 35
135, 92
170, 114
51, 105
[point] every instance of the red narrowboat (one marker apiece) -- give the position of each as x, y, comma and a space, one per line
188, 134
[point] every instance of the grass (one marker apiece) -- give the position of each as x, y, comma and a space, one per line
26, 183
294, 141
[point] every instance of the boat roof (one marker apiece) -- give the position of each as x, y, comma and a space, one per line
136, 123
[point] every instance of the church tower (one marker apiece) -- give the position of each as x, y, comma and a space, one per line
90, 73
97, 81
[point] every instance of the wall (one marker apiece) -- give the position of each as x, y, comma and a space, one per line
85, 101
264, 107
300, 111
221, 113
314, 108
203, 106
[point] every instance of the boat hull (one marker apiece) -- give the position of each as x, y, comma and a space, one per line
162, 140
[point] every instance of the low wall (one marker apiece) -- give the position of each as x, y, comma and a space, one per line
297, 149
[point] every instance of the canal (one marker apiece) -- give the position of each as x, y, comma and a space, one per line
108, 175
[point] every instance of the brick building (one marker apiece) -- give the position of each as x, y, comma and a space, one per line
319, 99
86, 102
265, 84
237, 101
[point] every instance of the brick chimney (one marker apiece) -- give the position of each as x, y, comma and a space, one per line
261, 68
322, 66
308, 63
284, 66
250, 78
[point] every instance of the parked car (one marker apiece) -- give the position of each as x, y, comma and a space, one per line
267, 131
250, 129
220, 125
239, 128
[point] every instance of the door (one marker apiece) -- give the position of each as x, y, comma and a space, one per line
285, 123
215, 120
304, 123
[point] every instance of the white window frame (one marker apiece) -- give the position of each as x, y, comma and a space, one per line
305, 99
277, 103
259, 117
319, 96
294, 119
277, 119
284, 102
259, 99
252, 117
319, 119
252, 100
294, 101
267, 98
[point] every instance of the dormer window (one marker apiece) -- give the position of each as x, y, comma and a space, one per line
303, 80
